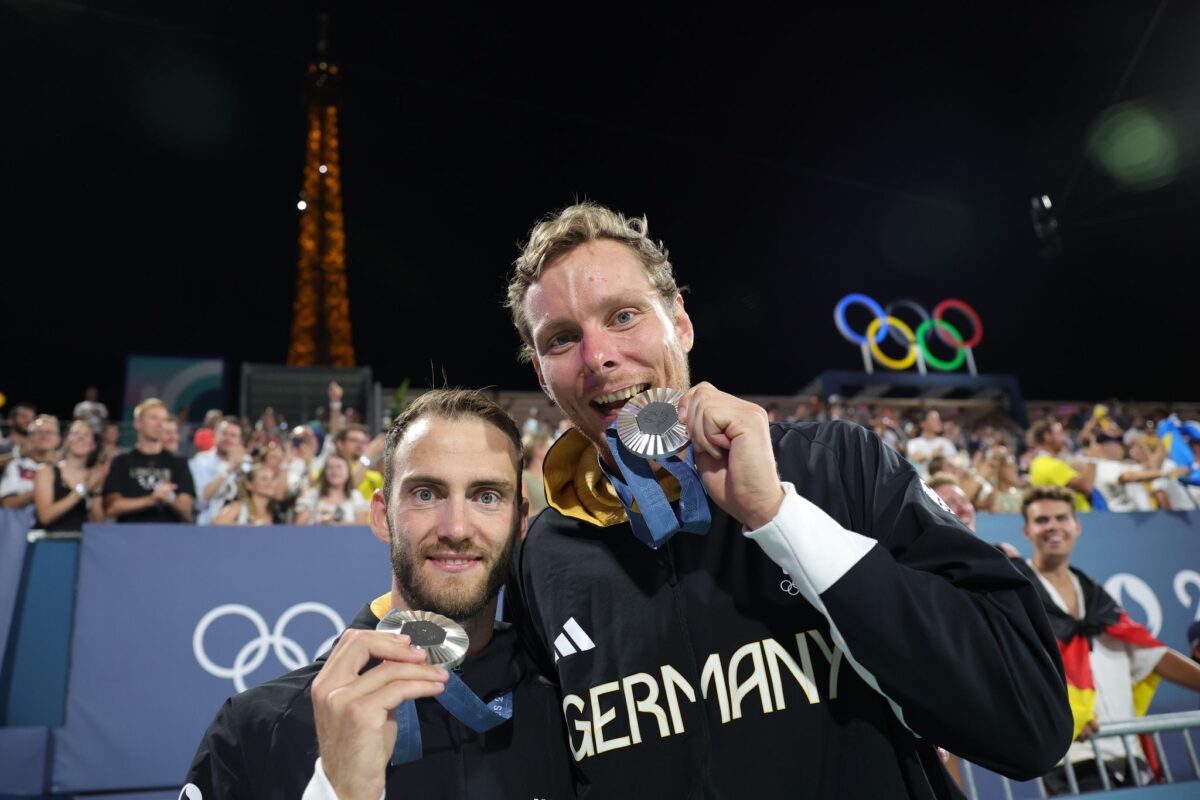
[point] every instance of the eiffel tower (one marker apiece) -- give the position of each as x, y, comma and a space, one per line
321, 310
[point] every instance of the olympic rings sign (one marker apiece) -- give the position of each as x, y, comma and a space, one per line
886, 323
252, 655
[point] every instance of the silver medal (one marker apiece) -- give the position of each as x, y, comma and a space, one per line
649, 426
442, 638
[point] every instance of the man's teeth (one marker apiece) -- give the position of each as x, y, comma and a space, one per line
624, 394
456, 561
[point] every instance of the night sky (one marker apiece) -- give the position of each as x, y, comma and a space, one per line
152, 156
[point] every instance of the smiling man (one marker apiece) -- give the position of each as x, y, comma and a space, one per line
451, 512
832, 623
1113, 663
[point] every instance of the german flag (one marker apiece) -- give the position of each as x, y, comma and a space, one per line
1101, 615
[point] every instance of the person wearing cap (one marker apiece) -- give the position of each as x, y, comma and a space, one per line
816, 636
451, 512
1113, 663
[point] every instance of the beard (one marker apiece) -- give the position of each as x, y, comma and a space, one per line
459, 601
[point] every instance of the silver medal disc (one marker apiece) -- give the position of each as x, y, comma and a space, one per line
441, 637
649, 424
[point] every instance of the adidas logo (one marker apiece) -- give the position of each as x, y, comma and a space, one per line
572, 640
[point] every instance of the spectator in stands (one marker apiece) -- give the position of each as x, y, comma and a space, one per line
930, 443
40, 447
352, 443
977, 489
1116, 478
884, 424
255, 503
535, 446
215, 472
1102, 647
953, 433
148, 484
1179, 496
334, 500
1047, 441
301, 450
272, 456
20, 417
171, 434
266, 430
532, 424
91, 410
110, 441
948, 488
67, 494
1008, 489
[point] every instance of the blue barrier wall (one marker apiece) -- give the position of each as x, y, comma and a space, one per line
170, 620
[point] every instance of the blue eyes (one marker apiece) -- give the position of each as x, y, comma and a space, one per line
621, 319
488, 497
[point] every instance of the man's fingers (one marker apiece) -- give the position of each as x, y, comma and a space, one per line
357, 647
375, 680
695, 416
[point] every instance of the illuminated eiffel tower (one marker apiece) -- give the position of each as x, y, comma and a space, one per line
321, 333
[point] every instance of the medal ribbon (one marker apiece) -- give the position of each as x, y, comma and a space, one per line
657, 521
463, 704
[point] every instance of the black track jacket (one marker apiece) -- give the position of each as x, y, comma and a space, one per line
702, 670
263, 743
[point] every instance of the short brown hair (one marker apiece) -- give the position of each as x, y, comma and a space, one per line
450, 404
1037, 493
578, 224
1039, 429
354, 427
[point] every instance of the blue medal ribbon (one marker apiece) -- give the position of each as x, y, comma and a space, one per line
657, 521
463, 704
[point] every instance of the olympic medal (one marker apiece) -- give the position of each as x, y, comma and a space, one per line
442, 638
648, 426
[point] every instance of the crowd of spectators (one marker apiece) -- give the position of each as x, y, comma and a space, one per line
1111, 460
225, 470
229, 470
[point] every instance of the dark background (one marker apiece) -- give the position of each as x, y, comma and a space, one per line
152, 154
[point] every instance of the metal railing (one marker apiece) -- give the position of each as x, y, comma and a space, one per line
1154, 725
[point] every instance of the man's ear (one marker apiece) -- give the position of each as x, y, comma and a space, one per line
683, 325
524, 512
378, 518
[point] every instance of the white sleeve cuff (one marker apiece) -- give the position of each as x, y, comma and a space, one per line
319, 787
809, 545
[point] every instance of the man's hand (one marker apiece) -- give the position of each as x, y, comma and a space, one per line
733, 453
335, 392
1090, 727
164, 492
355, 714
235, 456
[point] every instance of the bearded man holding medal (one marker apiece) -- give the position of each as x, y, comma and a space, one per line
426, 694
761, 609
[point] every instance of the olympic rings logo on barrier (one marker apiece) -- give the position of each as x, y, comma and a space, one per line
252, 655
886, 324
